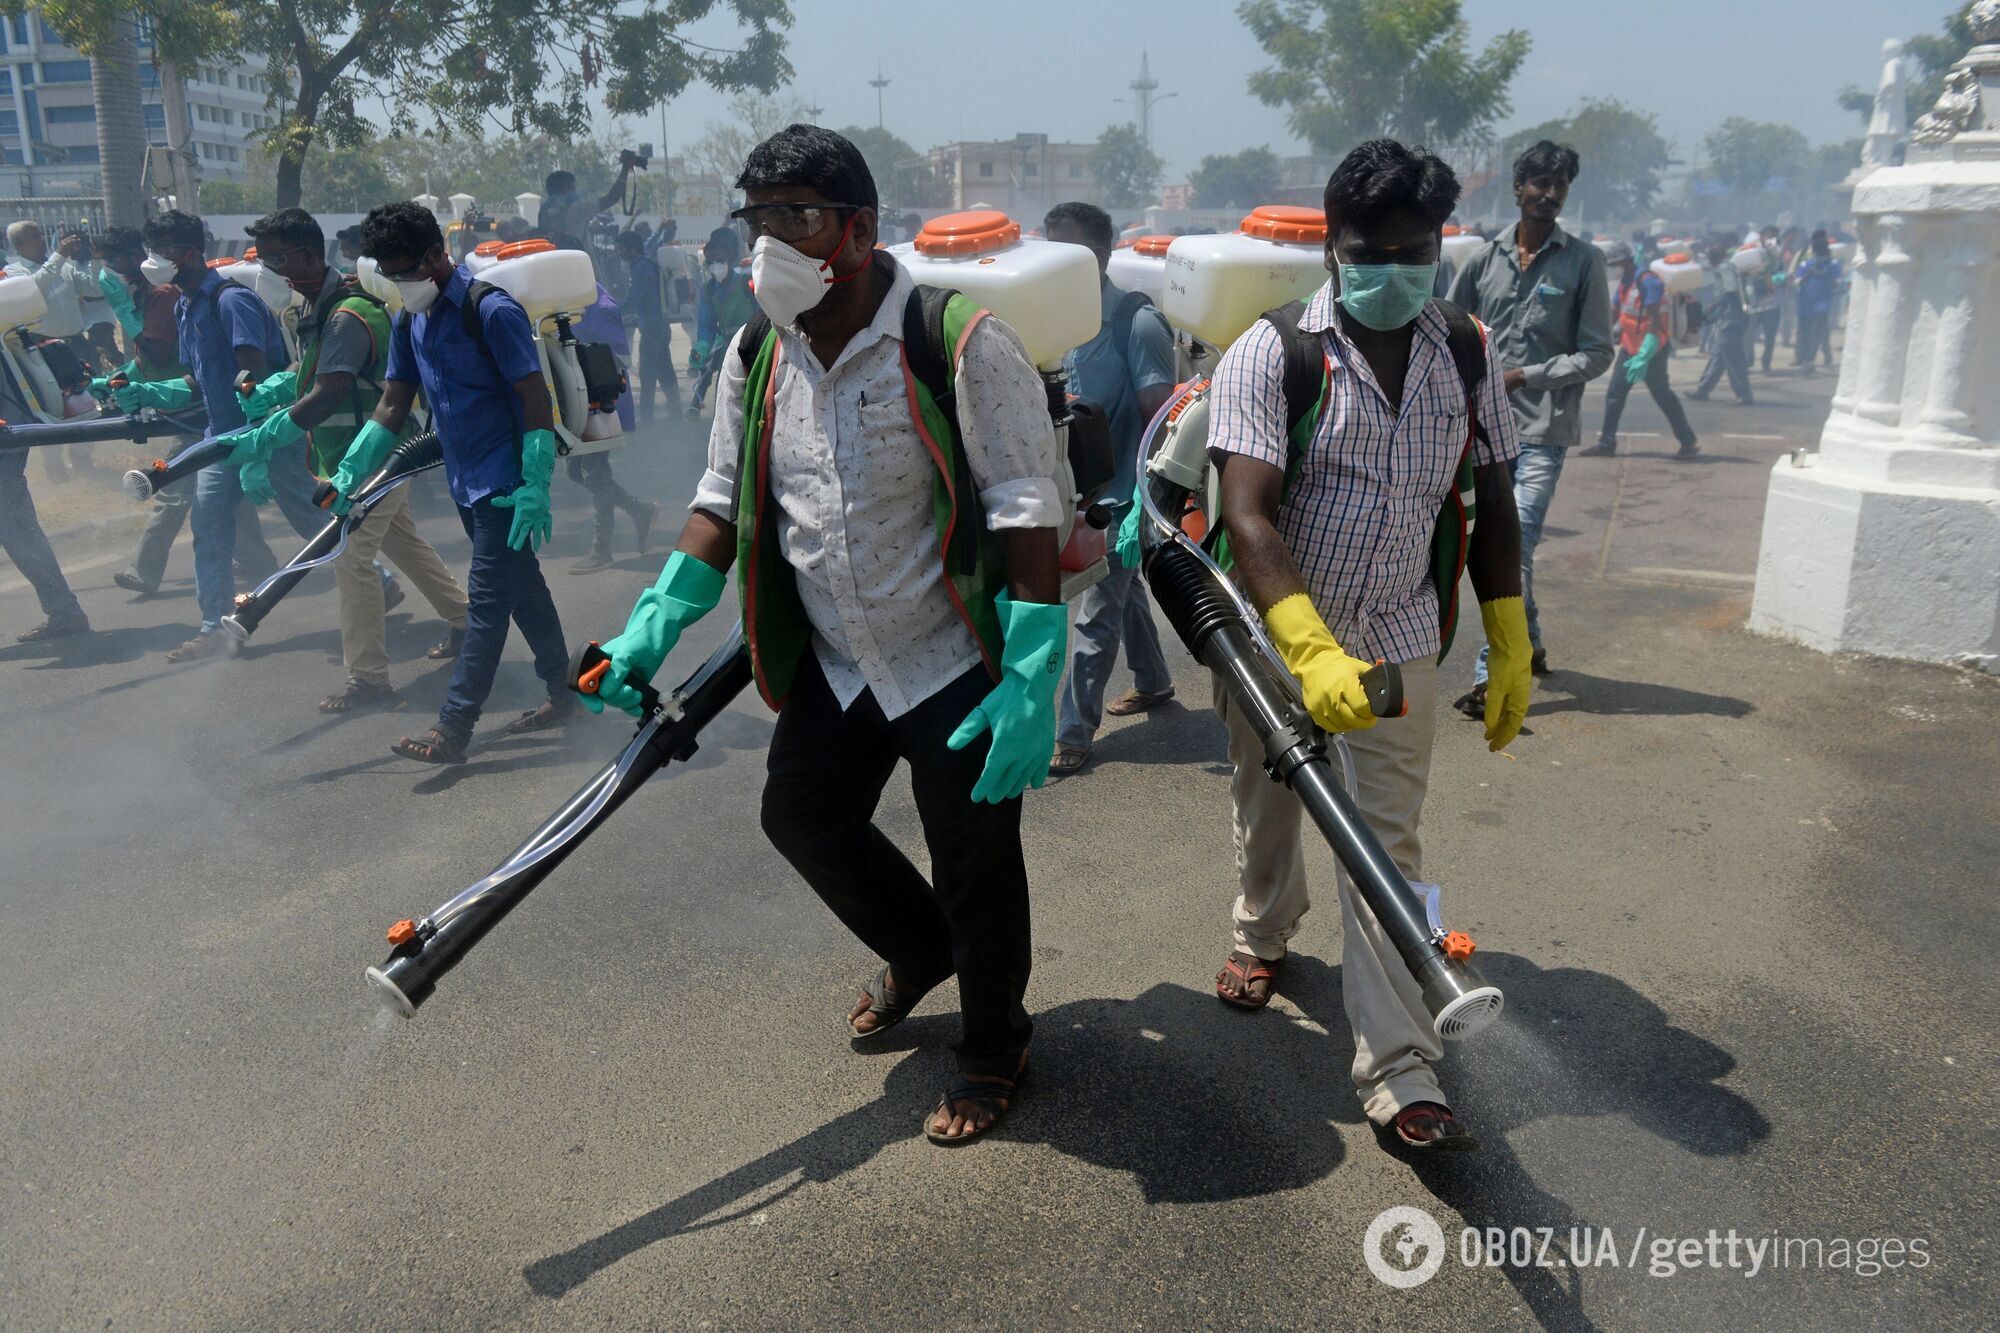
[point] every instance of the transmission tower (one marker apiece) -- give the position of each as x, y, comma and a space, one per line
1143, 89
878, 83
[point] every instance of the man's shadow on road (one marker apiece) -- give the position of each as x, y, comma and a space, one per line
1153, 1086
1567, 691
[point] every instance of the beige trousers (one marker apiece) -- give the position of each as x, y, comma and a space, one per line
388, 531
1394, 1043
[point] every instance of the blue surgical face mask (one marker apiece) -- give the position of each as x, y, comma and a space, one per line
1386, 296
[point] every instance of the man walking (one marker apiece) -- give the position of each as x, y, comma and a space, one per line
1816, 281
1127, 369
60, 275
1411, 387
343, 356
490, 407
645, 308
1645, 340
1545, 297
21, 535
1728, 318
831, 485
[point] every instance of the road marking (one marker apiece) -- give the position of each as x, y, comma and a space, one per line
1756, 437
1611, 520
1691, 575
69, 567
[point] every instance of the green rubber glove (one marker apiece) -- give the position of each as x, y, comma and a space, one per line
1128, 531
255, 477
1021, 710
697, 355
261, 440
100, 386
271, 393
167, 395
687, 590
530, 500
1640, 361
119, 297
362, 460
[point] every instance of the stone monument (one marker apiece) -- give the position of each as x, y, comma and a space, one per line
1887, 540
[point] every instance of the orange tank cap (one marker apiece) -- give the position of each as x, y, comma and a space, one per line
1458, 946
1679, 257
402, 932
223, 262
250, 254
515, 249
1152, 247
1282, 222
1453, 229
488, 247
979, 232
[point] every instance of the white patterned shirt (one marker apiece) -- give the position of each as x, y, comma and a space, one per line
1358, 517
854, 481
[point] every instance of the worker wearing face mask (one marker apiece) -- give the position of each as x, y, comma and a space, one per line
898, 567
722, 305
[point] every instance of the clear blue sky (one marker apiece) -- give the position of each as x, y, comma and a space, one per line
1054, 66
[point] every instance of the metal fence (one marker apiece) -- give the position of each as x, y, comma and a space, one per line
55, 211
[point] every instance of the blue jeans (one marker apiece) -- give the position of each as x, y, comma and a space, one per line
1535, 471
218, 489
1112, 609
22, 538
501, 585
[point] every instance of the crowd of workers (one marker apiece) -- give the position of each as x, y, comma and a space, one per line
831, 487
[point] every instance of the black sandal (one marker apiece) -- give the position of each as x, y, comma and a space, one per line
889, 1004
1431, 1126
433, 747
550, 714
995, 1099
1472, 703
357, 695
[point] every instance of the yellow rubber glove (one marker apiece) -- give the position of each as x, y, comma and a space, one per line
1328, 677
1508, 681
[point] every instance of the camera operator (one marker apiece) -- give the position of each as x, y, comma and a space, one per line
563, 210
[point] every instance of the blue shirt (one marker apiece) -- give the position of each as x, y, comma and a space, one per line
1113, 377
474, 408
1819, 276
220, 317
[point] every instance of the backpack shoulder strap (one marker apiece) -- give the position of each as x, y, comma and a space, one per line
1129, 306
1305, 365
929, 350
1466, 339
469, 313
755, 330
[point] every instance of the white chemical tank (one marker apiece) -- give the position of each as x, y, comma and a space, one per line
1047, 293
273, 290
1142, 266
545, 280
1460, 245
1680, 271
21, 302
484, 256
1217, 286
369, 274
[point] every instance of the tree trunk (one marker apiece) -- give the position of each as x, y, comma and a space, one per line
299, 129
180, 138
121, 124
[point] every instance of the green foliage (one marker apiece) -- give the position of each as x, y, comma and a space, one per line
218, 197
1622, 154
1350, 70
1126, 170
1926, 58
182, 31
903, 177
1235, 180
1749, 156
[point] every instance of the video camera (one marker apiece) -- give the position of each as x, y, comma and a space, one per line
628, 158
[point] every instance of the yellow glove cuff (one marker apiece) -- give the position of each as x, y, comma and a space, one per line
1506, 622
1298, 632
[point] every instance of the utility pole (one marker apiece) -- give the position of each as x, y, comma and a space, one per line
1143, 89
814, 112
878, 83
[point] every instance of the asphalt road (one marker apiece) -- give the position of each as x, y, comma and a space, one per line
1739, 895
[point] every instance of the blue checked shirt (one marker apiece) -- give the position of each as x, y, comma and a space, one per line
1358, 516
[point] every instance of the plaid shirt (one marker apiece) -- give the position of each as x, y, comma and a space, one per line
1358, 516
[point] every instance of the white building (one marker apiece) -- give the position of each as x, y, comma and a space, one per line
1023, 177
48, 124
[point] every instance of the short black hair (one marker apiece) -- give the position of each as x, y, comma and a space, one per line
1089, 219
1546, 157
349, 236
118, 241
175, 229
558, 181
631, 240
289, 226
819, 159
723, 243
1384, 176
402, 230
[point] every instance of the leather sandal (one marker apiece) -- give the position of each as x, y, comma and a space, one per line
995, 1098
1431, 1125
1138, 701
889, 1004
1248, 969
356, 695
448, 650
433, 747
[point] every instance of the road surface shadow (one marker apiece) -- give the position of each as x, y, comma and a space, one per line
104, 647
1132, 1085
1568, 691
1173, 733
1696, 461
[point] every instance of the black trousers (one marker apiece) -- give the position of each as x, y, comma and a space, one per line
1731, 358
1616, 391
827, 770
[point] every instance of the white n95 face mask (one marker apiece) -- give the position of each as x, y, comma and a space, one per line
718, 271
786, 282
158, 270
418, 295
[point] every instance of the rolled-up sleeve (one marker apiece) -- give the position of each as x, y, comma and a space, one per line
1004, 428
716, 492
1246, 409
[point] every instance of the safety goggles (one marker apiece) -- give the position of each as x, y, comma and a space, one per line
789, 222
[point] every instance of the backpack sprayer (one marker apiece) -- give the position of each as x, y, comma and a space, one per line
1216, 290
424, 950
417, 454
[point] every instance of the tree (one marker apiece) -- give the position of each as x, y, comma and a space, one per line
902, 176
1926, 57
1751, 157
1349, 70
1622, 155
518, 65
1235, 180
717, 156
1126, 170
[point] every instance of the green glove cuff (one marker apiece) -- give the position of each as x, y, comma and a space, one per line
538, 458
166, 395
271, 393
693, 581
1647, 348
1033, 636
363, 458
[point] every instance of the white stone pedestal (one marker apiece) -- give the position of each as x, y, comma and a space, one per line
1888, 540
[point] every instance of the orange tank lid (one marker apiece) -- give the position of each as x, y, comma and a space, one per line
488, 247
1453, 229
1152, 247
975, 233
515, 249
250, 254
1282, 222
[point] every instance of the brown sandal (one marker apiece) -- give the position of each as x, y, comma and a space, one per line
1248, 969
433, 747
995, 1097
1431, 1125
357, 695
448, 650
550, 714
1067, 760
